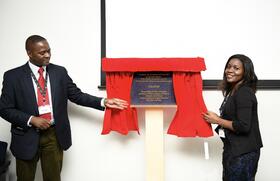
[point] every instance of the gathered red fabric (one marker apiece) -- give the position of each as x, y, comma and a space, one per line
153, 64
187, 84
118, 84
188, 121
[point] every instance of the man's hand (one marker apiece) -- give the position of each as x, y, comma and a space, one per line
40, 123
116, 103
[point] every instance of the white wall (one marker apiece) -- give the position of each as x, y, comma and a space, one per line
213, 29
73, 31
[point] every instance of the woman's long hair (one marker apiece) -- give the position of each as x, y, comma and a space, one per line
249, 78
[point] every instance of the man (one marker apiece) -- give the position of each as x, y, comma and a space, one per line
34, 100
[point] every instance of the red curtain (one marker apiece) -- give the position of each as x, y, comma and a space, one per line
118, 84
187, 84
188, 121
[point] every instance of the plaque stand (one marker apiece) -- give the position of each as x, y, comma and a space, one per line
154, 141
120, 74
154, 144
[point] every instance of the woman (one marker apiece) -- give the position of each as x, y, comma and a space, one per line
238, 124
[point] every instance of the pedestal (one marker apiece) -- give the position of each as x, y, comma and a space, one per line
154, 144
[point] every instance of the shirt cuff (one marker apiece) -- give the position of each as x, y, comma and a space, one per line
102, 103
28, 122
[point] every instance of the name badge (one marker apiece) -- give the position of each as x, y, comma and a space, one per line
44, 109
222, 133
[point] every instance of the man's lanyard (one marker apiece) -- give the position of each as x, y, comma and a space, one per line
42, 91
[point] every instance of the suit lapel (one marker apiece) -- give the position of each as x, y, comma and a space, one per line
53, 82
27, 81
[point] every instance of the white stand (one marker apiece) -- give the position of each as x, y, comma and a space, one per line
154, 144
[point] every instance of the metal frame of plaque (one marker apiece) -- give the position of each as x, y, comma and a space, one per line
152, 89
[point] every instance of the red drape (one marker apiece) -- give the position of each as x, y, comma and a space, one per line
188, 121
118, 84
187, 84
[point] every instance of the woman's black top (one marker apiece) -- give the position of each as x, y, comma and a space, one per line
242, 109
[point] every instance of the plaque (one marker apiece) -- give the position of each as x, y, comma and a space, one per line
152, 88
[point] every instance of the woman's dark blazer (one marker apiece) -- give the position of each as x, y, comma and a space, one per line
242, 109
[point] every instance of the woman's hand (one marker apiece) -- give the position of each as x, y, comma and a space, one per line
211, 117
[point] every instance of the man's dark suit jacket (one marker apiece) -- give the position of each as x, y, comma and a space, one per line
18, 103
